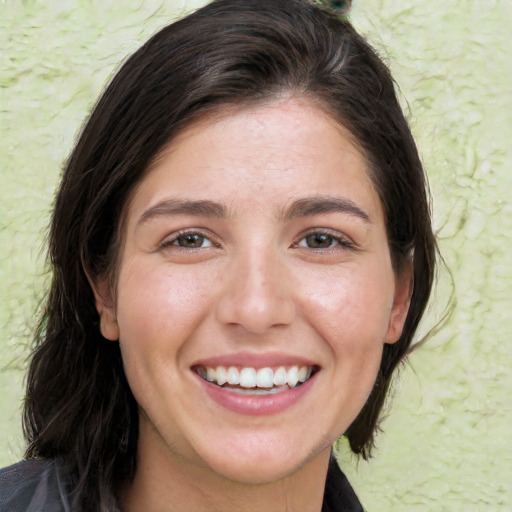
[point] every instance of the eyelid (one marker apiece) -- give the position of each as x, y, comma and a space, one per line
343, 240
169, 240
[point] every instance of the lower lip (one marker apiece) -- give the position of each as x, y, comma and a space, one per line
256, 404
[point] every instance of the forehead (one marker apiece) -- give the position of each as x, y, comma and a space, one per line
274, 152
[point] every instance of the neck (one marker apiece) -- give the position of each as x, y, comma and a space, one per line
166, 482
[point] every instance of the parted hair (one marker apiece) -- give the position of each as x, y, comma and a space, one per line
78, 405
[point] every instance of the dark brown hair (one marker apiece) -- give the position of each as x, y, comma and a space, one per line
78, 404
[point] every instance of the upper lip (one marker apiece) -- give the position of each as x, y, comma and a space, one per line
255, 360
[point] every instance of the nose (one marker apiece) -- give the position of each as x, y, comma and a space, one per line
257, 294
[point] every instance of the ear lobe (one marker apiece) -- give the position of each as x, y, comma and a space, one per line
105, 306
404, 286
108, 325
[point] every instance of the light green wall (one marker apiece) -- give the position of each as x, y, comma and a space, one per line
448, 440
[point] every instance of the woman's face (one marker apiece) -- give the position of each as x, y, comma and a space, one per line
254, 258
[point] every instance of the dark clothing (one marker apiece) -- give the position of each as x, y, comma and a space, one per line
33, 486
339, 495
40, 486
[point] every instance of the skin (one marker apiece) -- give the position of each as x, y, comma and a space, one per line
257, 283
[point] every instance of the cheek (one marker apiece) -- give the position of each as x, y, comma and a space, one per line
158, 305
158, 311
349, 307
351, 312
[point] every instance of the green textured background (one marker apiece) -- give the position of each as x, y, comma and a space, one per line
447, 444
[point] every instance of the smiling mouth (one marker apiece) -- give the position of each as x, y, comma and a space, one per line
262, 381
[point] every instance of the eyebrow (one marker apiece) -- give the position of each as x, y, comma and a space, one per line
184, 207
323, 204
304, 207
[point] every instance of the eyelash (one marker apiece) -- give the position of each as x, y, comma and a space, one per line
175, 237
335, 237
335, 240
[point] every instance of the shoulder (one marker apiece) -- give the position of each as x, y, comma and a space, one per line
33, 485
339, 495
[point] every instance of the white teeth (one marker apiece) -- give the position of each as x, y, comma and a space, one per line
303, 373
280, 376
233, 376
211, 374
265, 378
256, 391
293, 376
250, 378
222, 375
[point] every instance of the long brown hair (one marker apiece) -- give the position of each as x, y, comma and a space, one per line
78, 404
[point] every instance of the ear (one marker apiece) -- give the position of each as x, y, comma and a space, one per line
102, 290
404, 285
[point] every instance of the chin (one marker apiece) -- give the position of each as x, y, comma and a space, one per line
256, 472
264, 463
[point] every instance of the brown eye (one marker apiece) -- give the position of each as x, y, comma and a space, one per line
319, 241
192, 241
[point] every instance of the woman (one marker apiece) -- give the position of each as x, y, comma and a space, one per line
242, 250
